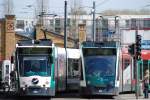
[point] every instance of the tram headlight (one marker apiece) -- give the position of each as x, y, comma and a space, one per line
47, 82
88, 82
111, 83
24, 83
23, 88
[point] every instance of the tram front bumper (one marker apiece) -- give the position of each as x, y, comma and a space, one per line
36, 91
100, 91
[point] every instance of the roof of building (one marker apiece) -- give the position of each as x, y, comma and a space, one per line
59, 35
24, 35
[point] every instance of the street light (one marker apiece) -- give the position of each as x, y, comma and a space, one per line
100, 25
93, 28
117, 28
116, 23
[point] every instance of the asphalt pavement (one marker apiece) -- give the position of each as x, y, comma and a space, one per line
132, 96
73, 96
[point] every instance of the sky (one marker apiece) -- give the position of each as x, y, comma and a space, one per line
56, 6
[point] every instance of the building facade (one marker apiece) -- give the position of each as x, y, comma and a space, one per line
9, 37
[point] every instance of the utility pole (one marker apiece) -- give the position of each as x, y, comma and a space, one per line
65, 25
65, 38
42, 10
137, 56
93, 28
42, 14
135, 52
136, 67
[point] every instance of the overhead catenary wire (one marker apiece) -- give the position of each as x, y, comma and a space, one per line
102, 2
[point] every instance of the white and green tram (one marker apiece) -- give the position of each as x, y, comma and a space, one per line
34, 64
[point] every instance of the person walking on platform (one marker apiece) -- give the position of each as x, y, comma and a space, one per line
146, 83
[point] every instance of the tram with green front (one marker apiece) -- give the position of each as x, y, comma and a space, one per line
100, 68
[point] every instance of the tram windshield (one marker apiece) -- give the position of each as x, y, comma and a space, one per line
100, 69
35, 66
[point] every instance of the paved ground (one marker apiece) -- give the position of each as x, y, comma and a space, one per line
76, 97
132, 97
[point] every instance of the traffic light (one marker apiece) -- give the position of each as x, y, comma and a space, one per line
138, 47
131, 49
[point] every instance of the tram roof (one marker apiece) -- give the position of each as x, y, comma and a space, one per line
32, 43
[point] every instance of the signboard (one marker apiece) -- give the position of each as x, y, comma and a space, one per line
145, 44
10, 26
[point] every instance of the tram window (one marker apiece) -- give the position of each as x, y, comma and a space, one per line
73, 68
7, 69
126, 63
100, 51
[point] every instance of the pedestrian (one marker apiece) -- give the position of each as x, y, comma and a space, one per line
146, 83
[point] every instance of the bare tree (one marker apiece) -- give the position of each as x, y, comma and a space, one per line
42, 11
76, 11
8, 7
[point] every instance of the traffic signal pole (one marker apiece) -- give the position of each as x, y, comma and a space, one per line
137, 57
135, 52
135, 64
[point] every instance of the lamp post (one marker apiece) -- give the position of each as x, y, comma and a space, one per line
93, 27
65, 25
65, 38
100, 27
116, 23
117, 29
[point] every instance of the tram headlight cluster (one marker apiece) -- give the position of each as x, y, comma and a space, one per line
25, 86
111, 83
88, 82
24, 83
47, 82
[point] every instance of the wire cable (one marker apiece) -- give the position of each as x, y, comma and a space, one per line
103, 2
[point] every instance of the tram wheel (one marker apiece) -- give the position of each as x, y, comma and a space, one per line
6, 87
